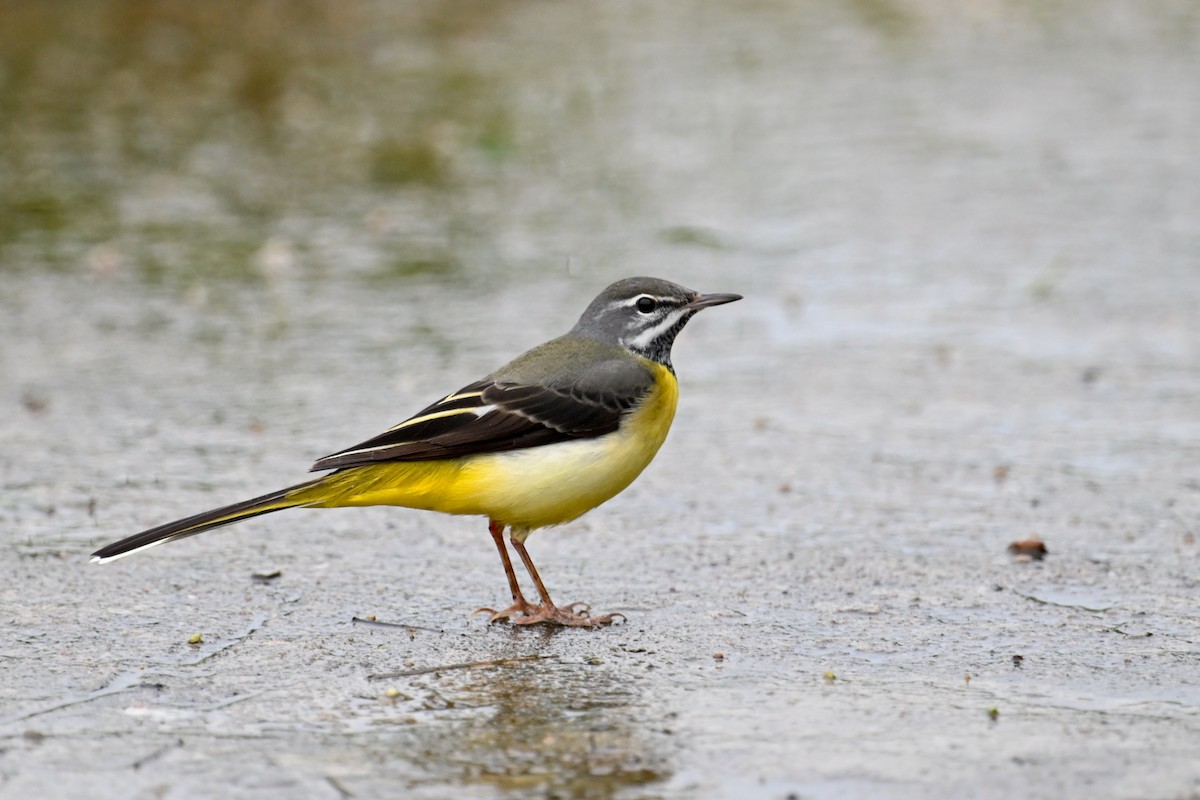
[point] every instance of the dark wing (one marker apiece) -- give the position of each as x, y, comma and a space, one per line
490, 416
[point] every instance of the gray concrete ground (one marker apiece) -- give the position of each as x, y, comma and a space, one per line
969, 246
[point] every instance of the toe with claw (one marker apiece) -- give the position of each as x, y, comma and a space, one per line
568, 617
522, 612
513, 613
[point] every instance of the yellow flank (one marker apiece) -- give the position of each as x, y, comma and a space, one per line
528, 488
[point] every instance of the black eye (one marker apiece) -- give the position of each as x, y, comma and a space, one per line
646, 304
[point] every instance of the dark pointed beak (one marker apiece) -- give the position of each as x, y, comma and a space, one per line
705, 300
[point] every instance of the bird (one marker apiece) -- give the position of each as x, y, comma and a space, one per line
540, 441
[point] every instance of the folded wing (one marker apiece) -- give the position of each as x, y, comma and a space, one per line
495, 415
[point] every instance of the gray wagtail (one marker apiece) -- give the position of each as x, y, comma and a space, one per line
542, 440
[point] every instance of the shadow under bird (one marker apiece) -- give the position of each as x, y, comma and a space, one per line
540, 441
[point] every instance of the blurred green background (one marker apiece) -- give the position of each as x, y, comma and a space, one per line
187, 142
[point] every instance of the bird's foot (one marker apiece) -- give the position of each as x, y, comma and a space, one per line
575, 615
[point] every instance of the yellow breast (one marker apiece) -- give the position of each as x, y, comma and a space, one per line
528, 488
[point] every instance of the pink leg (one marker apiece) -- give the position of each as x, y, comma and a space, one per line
549, 614
520, 607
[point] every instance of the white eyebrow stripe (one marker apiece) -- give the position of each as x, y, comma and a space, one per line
662, 299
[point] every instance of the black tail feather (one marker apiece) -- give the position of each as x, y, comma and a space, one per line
205, 521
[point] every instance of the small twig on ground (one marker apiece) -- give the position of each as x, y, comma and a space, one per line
159, 753
232, 641
122, 683
338, 787
375, 623
491, 663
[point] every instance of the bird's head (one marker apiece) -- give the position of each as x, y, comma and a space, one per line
644, 315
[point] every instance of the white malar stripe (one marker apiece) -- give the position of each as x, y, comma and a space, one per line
643, 339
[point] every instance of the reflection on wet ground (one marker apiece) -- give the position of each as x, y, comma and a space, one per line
563, 730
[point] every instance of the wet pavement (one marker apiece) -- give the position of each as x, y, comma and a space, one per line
968, 242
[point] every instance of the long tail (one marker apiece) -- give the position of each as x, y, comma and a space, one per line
180, 529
